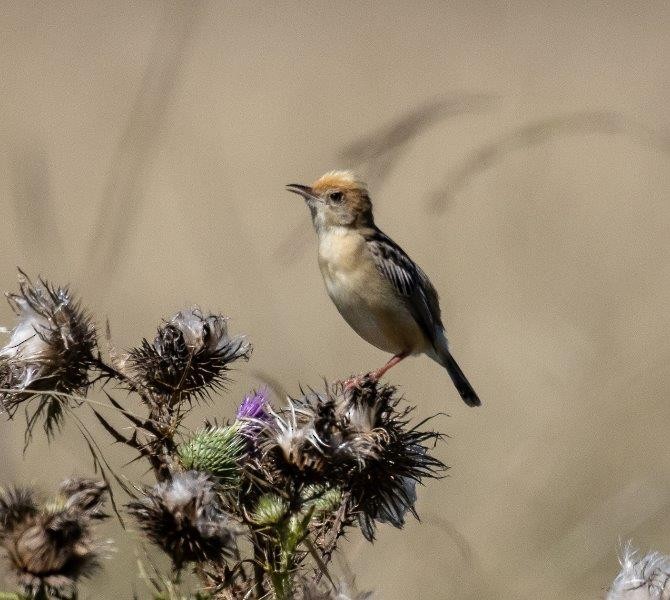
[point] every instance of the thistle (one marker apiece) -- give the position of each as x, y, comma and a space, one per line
85, 496
51, 547
254, 406
217, 451
641, 577
359, 442
322, 499
270, 509
189, 356
17, 504
50, 352
184, 517
293, 479
392, 458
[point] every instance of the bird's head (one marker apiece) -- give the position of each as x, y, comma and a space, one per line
336, 199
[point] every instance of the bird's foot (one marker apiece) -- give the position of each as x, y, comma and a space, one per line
357, 382
353, 383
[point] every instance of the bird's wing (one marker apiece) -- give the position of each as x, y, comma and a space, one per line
408, 280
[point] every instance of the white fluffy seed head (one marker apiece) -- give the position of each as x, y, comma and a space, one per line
646, 578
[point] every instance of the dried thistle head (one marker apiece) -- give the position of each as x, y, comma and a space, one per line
357, 441
383, 488
17, 504
291, 447
50, 547
84, 495
185, 519
188, 357
328, 432
51, 349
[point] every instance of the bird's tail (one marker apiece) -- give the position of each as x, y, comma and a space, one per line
460, 380
443, 356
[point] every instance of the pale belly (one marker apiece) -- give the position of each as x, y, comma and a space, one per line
370, 306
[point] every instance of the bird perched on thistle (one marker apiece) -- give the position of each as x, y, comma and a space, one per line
384, 296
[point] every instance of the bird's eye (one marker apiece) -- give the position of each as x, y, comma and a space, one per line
336, 196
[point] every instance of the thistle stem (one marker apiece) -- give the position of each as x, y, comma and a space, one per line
337, 529
259, 572
282, 584
291, 532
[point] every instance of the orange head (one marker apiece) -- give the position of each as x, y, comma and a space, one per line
337, 198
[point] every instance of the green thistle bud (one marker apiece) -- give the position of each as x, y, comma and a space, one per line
270, 510
295, 530
324, 500
215, 450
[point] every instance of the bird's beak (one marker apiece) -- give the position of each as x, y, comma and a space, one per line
302, 190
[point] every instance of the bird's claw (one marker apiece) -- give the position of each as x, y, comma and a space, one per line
353, 383
357, 382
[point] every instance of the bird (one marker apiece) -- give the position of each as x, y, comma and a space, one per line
384, 296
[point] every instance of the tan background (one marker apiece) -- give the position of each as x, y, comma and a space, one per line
143, 151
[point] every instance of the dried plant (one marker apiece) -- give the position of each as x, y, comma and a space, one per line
254, 507
51, 546
49, 355
188, 358
185, 518
641, 577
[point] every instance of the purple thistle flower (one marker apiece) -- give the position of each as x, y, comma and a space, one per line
254, 416
254, 406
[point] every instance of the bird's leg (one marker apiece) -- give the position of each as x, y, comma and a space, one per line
379, 373
376, 375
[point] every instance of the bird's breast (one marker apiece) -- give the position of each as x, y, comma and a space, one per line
363, 296
345, 265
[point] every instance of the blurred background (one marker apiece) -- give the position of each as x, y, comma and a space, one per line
519, 151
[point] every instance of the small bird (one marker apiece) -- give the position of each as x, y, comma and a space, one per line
383, 295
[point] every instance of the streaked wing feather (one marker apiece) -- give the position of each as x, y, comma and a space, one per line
395, 265
411, 283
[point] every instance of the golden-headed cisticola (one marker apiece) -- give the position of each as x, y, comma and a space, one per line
384, 296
